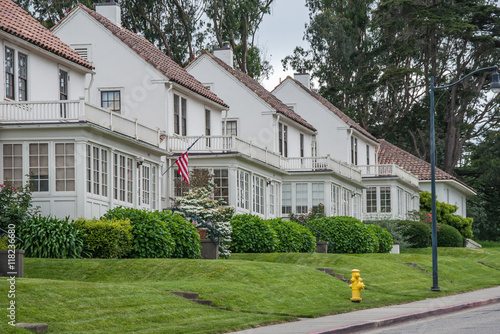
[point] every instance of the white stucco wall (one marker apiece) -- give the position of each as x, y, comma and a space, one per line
447, 192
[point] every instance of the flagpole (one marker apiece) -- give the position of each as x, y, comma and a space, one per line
172, 165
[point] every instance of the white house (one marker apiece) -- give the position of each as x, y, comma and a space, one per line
79, 158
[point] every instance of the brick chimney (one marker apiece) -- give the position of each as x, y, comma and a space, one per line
111, 11
225, 54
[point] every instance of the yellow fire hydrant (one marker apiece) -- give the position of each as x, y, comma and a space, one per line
356, 286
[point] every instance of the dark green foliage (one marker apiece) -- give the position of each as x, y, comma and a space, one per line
106, 239
292, 236
448, 236
152, 238
346, 235
49, 237
418, 233
385, 240
251, 234
396, 230
15, 205
186, 237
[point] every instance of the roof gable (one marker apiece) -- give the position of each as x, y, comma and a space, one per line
328, 105
17, 22
260, 91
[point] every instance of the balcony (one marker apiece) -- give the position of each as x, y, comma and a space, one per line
232, 144
31, 112
388, 171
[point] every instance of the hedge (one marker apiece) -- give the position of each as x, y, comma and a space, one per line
251, 234
184, 233
418, 233
448, 236
293, 237
385, 239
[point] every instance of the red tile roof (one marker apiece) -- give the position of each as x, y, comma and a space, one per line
16, 21
263, 93
155, 57
332, 108
389, 154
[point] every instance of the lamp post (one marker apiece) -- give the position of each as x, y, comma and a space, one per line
495, 87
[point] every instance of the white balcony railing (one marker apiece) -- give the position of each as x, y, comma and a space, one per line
388, 170
76, 111
225, 144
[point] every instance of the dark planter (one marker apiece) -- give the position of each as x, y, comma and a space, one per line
18, 266
322, 247
209, 250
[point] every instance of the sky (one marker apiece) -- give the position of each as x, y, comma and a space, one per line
279, 33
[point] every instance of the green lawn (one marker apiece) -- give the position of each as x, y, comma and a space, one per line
118, 296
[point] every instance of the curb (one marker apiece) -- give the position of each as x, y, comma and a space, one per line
407, 317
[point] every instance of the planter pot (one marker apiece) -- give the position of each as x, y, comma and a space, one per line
322, 247
18, 270
209, 250
395, 249
202, 232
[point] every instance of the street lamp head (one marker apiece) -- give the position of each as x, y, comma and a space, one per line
495, 82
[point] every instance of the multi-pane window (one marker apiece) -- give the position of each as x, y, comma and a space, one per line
13, 164
207, 126
301, 198
354, 150
318, 195
272, 198
154, 193
221, 181
367, 154
180, 115
97, 171
286, 198
65, 166
258, 194
9, 73
301, 145
231, 128
356, 206
346, 202
400, 201
180, 186
39, 166
243, 182
335, 200
176, 114
23, 76
283, 139
385, 199
371, 199
123, 178
146, 185
111, 100
63, 91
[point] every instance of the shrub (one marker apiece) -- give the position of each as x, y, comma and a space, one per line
225, 241
346, 234
292, 236
418, 233
152, 238
251, 234
106, 239
49, 237
186, 237
15, 205
385, 240
396, 230
448, 236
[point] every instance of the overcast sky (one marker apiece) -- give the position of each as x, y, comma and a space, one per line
279, 33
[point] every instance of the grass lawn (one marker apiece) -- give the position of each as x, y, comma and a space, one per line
131, 295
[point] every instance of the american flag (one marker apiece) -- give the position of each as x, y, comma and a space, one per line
182, 163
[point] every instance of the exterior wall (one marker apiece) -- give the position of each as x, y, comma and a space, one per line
334, 135
256, 120
446, 193
43, 72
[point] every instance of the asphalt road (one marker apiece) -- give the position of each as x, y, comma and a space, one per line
479, 320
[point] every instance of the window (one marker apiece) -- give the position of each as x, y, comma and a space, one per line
283, 139
221, 181
272, 198
180, 186
146, 184
231, 128
97, 171
367, 154
111, 100
123, 178
314, 148
154, 192
243, 189
9, 73
371, 199
356, 206
65, 166
207, 126
13, 164
354, 150
400, 201
335, 200
23, 76
301, 198
39, 167
176, 114
301, 145
258, 194
385, 199
63, 91
286, 198
184, 116
180, 115
346, 202
317, 195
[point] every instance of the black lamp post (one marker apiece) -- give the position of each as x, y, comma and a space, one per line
495, 87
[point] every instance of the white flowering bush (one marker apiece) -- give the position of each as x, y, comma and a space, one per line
199, 202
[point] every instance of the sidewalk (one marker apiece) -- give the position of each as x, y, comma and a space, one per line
382, 316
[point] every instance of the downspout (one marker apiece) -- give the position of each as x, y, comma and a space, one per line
225, 123
90, 85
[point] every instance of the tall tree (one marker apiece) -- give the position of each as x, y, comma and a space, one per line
49, 12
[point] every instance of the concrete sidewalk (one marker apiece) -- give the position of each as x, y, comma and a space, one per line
382, 316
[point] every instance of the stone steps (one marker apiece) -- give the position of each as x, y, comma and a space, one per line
330, 272
193, 296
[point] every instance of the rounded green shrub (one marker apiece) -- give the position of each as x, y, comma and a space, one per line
251, 234
418, 233
106, 239
292, 236
49, 237
346, 234
448, 236
385, 239
152, 238
185, 235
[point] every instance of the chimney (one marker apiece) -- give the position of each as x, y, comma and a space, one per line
111, 11
303, 77
225, 54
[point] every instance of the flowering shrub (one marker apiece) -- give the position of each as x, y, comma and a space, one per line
15, 205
